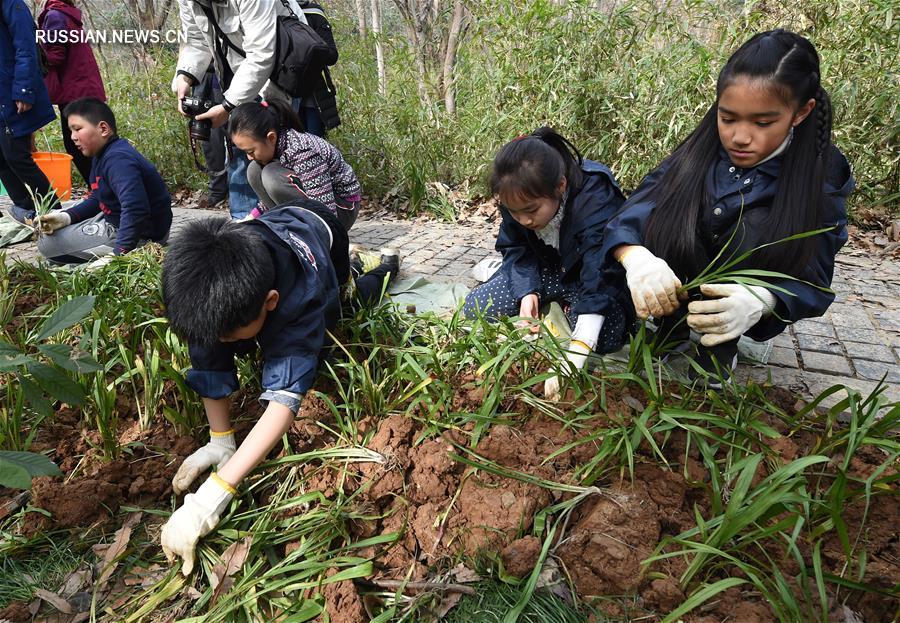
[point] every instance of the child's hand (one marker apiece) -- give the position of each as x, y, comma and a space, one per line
217, 452
652, 283
530, 307
576, 356
732, 313
197, 517
52, 221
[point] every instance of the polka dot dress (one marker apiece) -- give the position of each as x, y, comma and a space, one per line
495, 298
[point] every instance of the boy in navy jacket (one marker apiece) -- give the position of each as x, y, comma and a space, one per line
128, 203
274, 282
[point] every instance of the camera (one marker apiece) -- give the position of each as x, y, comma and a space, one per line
193, 106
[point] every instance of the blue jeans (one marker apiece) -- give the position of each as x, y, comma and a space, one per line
241, 198
310, 117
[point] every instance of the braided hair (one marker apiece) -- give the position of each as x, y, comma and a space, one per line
789, 64
257, 119
532, 166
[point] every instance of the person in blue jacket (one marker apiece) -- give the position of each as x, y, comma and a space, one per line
759, 168
24, 108
554, 206
276, 282
128, 203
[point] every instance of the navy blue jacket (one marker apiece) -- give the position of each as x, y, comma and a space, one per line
20, 73
728, 187
294, 332
130, 192
580, 240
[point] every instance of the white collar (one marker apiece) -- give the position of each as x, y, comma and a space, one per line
780, 150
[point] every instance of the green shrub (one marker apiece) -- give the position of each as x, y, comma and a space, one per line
625, 84
146, 115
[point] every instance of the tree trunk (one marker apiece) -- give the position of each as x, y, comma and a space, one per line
152, 14
418, 31
448, 79
361, 17
379, 47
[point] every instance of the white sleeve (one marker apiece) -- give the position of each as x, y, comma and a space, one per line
258, 23
587, 328
195, 56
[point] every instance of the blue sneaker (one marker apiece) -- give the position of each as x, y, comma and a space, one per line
26, 217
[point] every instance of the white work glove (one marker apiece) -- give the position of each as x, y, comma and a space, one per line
217, 452
50, 222
197, 517
576, 356
735, 310
652, 283
99, 263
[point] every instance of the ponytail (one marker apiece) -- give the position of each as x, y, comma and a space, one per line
257, 119
789, 64
532, 166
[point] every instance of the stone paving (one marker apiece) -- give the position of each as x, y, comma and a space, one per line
856, 343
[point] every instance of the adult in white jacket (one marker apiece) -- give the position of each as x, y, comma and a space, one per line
249, 25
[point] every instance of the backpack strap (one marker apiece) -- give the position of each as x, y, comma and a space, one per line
220, 36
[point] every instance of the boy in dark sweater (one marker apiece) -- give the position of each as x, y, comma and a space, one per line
275, 283
128, 203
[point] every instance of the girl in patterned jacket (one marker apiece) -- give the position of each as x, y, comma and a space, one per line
288, 163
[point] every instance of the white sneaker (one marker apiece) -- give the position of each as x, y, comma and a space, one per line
485, 269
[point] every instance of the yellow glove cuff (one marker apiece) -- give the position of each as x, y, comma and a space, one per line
227, 487
582, 344
225, 433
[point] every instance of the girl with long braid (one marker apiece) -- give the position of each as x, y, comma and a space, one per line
759, 168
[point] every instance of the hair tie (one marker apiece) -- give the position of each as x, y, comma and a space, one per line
521, 137
264, 104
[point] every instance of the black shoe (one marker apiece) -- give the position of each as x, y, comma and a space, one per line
390, 259
716, 364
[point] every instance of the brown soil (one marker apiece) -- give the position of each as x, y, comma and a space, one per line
17, 612
443, 510
520, 556
343, 602
97, 488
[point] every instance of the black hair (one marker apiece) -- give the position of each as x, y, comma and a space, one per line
215, 278
259, 118
788, 63
93, 110
532, 165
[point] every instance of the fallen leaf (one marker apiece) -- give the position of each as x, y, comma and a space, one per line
230, 562
54, 600
448, 602
74, 581
192, 593
116, 548
634, 403
463, 575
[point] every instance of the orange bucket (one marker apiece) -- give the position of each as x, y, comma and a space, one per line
58, 169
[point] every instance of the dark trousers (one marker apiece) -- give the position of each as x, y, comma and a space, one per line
215, 148
370, 285
673, 331
82, 163
18, 172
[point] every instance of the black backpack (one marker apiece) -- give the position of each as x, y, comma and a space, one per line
300, 53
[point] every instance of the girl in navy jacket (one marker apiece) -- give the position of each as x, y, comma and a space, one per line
759, 168
554, 207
